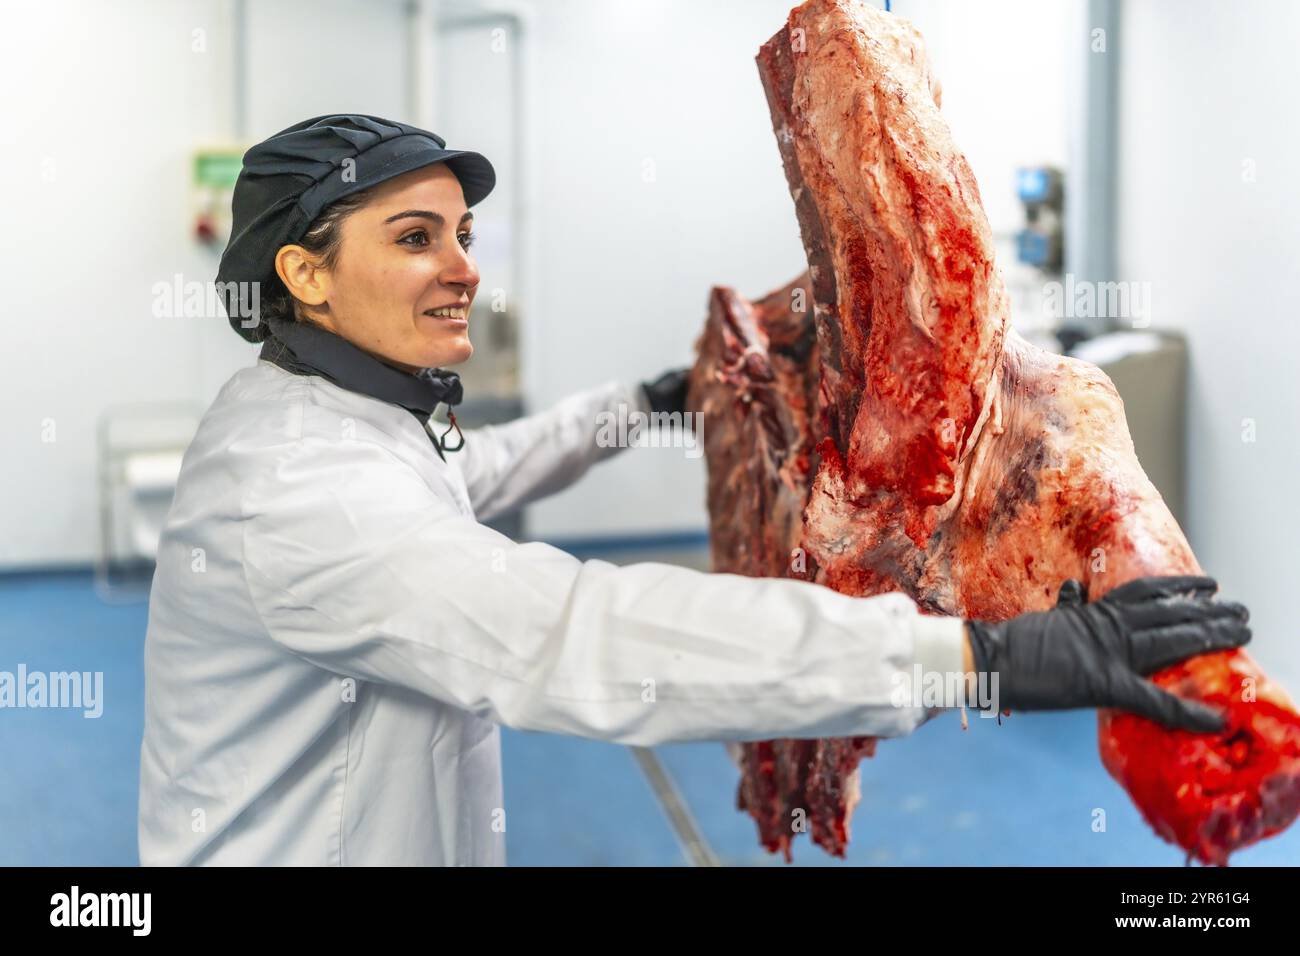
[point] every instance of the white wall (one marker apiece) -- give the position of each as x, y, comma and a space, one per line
94, 158
105, 104
1208, 95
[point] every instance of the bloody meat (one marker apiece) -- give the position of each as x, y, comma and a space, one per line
876, 425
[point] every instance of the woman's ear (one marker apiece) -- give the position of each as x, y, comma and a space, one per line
303, 275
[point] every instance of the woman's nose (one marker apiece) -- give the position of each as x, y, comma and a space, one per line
461, 270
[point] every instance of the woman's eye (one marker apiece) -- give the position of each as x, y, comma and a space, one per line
467, 239
419, 234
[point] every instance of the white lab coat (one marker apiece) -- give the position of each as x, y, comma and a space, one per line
334, 638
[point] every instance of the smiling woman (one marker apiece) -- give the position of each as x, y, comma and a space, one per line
299, 187
389, 270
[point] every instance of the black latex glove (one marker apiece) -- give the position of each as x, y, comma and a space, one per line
1099, 654
667, 393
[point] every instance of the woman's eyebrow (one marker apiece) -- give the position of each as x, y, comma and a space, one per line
436, 218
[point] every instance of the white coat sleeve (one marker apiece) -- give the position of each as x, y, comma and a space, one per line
507, 466
355, 564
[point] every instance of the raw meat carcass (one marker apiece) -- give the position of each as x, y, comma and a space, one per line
876, 425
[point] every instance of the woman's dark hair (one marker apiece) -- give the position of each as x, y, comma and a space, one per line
323, 239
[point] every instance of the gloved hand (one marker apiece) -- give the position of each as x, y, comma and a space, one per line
1099, 654
667, 393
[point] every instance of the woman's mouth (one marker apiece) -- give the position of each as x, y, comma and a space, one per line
454, 315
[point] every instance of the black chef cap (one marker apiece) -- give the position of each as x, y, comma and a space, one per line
288, 180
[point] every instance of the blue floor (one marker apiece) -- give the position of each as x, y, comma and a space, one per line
1023, 793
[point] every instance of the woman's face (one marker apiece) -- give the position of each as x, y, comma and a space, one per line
402, 263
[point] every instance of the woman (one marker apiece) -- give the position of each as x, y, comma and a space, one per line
334, 638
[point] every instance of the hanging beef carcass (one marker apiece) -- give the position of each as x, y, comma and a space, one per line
876, 425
